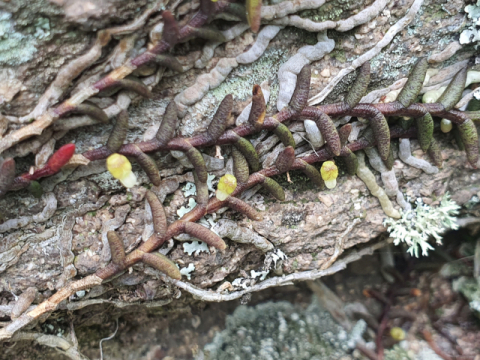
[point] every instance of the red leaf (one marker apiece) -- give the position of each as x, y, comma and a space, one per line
61, 157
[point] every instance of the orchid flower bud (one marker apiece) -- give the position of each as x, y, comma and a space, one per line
121, 169
329, 172
226, 186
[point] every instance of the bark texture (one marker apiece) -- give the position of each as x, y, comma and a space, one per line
62, 236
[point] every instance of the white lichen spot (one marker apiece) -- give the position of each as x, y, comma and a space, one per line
183, 210
471, 34
187, 271
189, 189
262, 274
196, 247
209, 182
416, 226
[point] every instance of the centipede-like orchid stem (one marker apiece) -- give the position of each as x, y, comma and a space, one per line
207, 34
170, 32
219, 122
284, 135
469, 135
302, 88
248, 151
273, 188
435, 153
344, 133
379, 125
202, 191
453, 93
351, 161
149, 166
329, 131
117, 249
313, 174
242, 207
130, 83
163, 264
194, 156
166, 131
390, 160
359, 87
90, 109
168, 61
158, 214
425, 127
204, 234
414, 83
285, 159
258, 110
119, 132
240, 166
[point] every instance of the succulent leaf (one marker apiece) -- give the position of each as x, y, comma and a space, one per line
414, 83
359, 87
163, 264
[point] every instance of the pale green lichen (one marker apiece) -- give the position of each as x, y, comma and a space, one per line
187, 271
471, 34
405, 351
15, 47
240, 82
196, 247
189, 189
470, 288
186, 209
417, 225
280, 330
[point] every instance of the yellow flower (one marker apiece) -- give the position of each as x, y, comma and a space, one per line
121, 169
329, 172
397, 333
226, 186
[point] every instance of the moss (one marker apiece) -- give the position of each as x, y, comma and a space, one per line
300, 182
295, 264
339, 54
333, 10
168, 200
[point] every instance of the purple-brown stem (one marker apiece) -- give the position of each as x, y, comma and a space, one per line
333, 110
178, 227
270, 123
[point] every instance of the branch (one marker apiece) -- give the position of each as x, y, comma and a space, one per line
206, 295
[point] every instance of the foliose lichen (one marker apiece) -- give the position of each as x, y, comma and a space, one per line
471, 34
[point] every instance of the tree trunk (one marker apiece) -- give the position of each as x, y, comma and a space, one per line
50, 241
